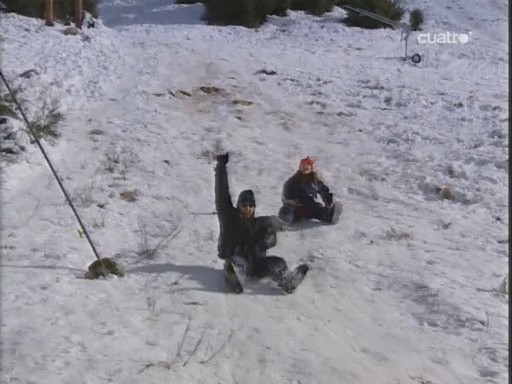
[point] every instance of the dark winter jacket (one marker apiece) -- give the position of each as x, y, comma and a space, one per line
248, 238
303, 189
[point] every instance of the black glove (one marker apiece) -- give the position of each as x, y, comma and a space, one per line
223, 159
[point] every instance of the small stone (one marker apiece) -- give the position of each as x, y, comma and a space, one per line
447, 194
71, 31
242, 102
129, 196
103, 267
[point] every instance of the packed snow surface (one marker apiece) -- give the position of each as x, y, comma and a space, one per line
401, 290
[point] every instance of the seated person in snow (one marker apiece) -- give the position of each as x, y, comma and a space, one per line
244, 238
299, 196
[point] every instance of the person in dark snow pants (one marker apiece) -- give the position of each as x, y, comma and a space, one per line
299, 196
245, 238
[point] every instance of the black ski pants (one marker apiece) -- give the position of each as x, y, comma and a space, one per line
273, 267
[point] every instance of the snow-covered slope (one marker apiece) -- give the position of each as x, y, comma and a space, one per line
401, 289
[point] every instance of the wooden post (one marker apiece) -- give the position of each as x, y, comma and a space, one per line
48, 13
78, 14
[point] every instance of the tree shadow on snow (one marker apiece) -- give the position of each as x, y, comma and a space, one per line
210, 279
76, 271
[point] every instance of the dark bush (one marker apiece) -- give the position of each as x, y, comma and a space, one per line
247, 13
31, 8
278, 7
61, 8
230, 12
314, 7
416, 19
390, 9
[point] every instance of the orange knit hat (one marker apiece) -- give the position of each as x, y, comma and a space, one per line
307, 161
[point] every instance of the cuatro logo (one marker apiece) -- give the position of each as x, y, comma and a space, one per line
444, 37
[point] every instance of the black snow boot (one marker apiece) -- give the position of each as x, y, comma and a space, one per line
293, 278
335, 213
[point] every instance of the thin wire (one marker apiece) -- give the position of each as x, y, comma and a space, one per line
68, 199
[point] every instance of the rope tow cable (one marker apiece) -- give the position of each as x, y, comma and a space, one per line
100, 267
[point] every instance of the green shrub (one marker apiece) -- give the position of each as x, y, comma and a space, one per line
277, 7
416, 19
7, 110
47, 122
252, 13
390, 9
314, 7
61, 8
222, 12
6, 102
31, 8
247, 13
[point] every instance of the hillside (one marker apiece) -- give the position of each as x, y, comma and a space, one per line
401, 290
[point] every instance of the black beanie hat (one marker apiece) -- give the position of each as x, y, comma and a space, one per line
246, 197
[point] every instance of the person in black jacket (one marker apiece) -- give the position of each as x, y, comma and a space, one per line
244, 238
299, 196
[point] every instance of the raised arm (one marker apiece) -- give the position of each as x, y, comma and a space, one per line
222, 196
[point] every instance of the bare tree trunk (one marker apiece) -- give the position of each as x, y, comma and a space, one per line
49, 13
78, 14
